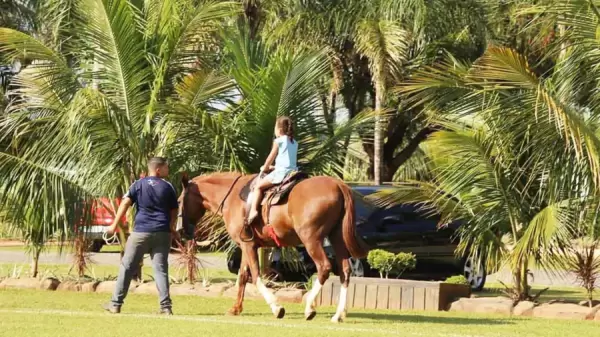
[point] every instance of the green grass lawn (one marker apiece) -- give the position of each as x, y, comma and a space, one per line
36, 313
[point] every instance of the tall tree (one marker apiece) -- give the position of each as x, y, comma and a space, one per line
419, 31
142, 79
84, 112
506, 169
385, 44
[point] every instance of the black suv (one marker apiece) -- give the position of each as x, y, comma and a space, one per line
401, 228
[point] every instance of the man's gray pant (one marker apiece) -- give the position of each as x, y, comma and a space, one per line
138, 244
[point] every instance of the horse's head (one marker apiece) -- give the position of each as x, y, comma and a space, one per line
191, 207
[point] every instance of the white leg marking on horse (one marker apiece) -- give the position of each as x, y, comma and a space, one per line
268, 295
310, 299
340, 313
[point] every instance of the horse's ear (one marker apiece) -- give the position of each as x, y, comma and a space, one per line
185, 179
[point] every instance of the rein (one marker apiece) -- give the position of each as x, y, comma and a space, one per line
220, 208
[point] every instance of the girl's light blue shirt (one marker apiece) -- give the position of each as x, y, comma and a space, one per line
286, 155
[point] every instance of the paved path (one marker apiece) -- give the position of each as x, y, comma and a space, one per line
541, 278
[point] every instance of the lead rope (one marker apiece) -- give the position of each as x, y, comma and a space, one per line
111, 240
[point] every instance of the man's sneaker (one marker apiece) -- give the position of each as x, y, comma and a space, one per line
166, 311
113, 309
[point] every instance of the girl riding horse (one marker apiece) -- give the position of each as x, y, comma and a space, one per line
284, 152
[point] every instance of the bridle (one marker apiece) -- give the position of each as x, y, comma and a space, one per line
219, 209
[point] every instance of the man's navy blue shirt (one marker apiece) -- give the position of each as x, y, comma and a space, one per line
155, 198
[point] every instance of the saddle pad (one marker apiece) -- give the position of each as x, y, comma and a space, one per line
277, 193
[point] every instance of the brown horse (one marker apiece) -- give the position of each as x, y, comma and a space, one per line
316, 208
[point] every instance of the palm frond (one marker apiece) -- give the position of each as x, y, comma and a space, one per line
385, 44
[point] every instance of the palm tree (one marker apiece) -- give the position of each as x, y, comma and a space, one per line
149, 79
236, 111
401, 36
85, 111
18, 14
518, 160
385, 44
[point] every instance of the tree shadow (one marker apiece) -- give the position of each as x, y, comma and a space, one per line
222, 279
429, 319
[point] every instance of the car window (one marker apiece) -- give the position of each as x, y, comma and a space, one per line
363, 208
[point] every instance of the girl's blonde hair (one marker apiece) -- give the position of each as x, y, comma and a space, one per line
286, 127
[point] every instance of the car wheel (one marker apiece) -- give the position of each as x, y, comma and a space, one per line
475, 274
360, 268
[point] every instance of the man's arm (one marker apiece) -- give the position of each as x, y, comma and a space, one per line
173, 205
123, 207
173, 224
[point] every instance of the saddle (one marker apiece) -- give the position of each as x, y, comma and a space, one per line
275, 195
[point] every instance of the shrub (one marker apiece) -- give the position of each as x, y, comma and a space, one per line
583, 261
457, 279
386, 262
404, 262
382, 261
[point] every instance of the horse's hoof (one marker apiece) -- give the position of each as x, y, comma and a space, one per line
279, 313
336, 319
309, 316
233, 312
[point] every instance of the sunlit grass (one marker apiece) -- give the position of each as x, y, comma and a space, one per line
70, 314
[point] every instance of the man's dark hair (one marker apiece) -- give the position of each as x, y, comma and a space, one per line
156, 162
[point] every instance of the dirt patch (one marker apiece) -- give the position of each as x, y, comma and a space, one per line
109, 287
86, 287
290, 295
565, 311
251, 292
524, 308
11, 243
484, 305
30, 283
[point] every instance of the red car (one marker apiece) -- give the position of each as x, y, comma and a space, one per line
103, 215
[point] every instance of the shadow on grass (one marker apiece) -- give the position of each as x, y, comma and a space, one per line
429, 319
221, 279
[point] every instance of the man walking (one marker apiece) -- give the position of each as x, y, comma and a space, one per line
155, 220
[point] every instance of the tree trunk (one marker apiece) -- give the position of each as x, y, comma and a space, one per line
330, 115
520, 279
35, 261
378, 137
253, 15
524, 282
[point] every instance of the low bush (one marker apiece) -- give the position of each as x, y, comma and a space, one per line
457, 279
386, 262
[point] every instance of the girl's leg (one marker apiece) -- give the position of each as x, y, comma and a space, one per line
258, 193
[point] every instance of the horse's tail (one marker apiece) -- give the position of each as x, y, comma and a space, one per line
356, 247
